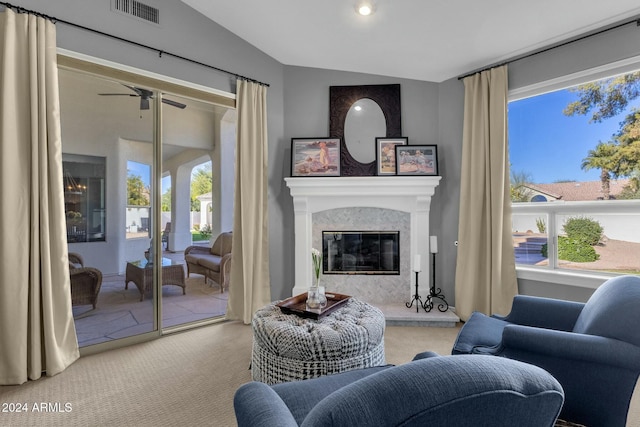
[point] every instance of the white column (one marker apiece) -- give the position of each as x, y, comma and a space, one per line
303, 226
180, 235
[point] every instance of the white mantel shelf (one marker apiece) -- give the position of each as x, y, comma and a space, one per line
410, 194
390, 192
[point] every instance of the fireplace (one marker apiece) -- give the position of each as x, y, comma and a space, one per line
361, 252
374, 203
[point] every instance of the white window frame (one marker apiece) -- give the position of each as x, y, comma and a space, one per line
551, 274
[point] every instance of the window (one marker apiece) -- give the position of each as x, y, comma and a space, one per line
84, 197
575, 176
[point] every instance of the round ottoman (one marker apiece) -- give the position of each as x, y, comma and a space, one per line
287, 347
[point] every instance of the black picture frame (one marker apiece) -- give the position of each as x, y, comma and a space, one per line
314, 157
386, 154
417, 160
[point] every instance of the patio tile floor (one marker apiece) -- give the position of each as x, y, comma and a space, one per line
120, 313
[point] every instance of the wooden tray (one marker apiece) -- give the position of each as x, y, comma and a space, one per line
298, 305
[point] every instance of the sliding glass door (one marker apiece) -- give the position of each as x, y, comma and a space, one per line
197, 147
142, 185
107, 133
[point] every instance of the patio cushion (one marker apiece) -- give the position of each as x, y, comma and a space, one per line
211, 262
222, 245
214, 262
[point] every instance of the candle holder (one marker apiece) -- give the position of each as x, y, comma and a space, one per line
416, 298
434, 293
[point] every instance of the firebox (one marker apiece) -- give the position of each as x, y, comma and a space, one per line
361, 252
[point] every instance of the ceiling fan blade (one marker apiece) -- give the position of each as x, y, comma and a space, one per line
138, 91
174, 103
144, 95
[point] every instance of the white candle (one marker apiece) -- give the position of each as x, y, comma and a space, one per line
433, 246
416, 263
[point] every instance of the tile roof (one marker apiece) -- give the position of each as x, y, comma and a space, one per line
577, 190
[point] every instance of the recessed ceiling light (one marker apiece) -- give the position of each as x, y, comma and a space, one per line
365, 8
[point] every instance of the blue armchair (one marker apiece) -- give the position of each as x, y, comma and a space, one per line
435, 391
592, 349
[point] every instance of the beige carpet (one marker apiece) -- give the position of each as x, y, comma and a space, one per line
185, 379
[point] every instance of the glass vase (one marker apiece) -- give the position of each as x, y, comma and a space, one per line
322, 296
316, 297
313, 297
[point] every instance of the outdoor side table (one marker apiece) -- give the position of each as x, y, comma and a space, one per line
287, 347
141, 274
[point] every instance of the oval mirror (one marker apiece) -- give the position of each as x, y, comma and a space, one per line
364, 122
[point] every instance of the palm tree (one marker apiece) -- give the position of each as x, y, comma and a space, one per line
632, 189
520, 192
603, 158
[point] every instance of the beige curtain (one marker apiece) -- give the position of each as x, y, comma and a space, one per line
37, 333
485, 269
249, 287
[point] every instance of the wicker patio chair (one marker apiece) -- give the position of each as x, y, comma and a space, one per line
75, 260
85, 281
214, 262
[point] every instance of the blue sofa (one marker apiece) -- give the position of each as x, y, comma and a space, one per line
592, 349
434, 391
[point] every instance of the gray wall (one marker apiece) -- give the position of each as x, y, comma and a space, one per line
601, 49
451, 115
425, 106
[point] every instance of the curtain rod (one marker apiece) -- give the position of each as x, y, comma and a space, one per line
159, 51
546, 49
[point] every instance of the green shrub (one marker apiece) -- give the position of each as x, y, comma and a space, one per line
575, 250
583, 229
545, 250
541, 224
205, 231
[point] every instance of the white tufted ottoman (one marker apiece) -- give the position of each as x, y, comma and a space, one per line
287, 347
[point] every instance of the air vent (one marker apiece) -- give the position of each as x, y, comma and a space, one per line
137, 9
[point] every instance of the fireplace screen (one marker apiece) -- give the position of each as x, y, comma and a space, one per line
361, 252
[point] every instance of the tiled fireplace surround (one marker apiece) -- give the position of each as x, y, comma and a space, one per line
361, 204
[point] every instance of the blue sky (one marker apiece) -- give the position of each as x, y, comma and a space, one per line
140, 169
144, 171
549, 146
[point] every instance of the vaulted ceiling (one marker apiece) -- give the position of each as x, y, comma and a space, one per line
431, 40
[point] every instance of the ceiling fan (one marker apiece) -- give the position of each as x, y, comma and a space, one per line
144, 95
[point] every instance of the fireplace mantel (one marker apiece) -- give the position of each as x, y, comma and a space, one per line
402, 193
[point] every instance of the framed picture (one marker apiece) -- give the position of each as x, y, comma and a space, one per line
386, 154
315, 156
416, 159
